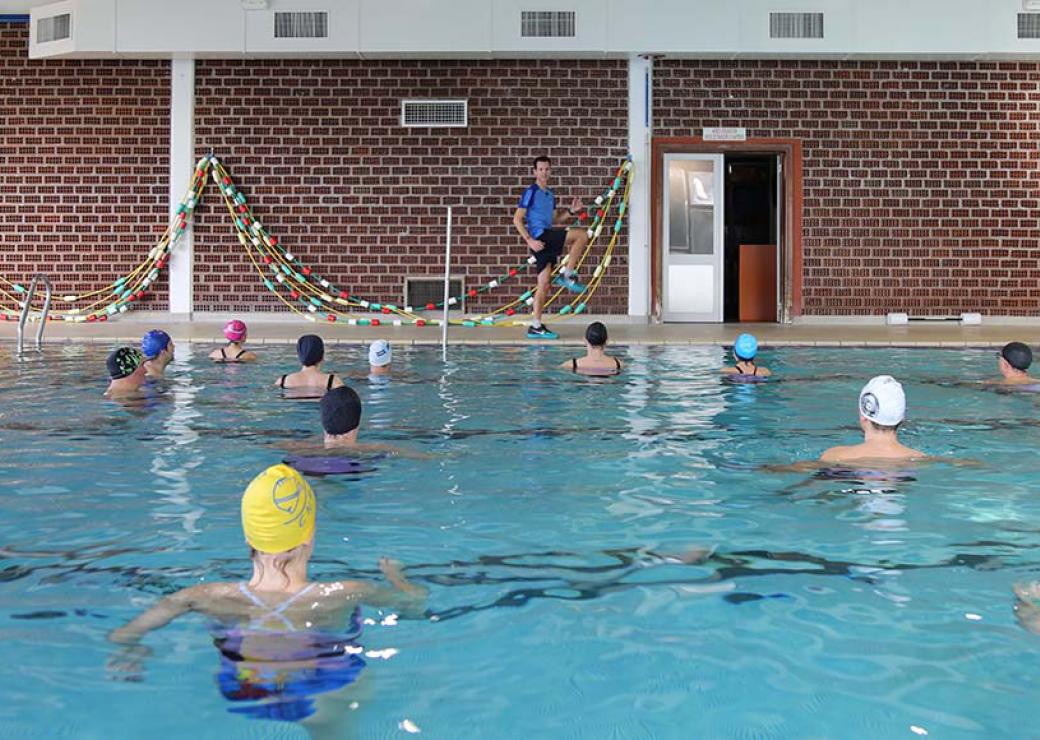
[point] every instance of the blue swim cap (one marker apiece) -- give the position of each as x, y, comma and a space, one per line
154, 342
746, 347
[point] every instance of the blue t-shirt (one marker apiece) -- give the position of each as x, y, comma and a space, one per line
540, 205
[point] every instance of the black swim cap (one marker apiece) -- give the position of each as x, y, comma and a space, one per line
1018, 355
122, 362
596, 334
310, 349
340, 410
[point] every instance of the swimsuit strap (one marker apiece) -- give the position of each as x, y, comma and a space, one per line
222, 355
618, 363
281, 382
332, 377
240, 353
574, 364
276, 611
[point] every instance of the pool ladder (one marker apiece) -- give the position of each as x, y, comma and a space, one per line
27, 308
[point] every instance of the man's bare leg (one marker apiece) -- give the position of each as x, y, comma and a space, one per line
577, 240
539, 294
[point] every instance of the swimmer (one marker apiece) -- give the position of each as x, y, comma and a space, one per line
1027, 605
127, 372
744, 351
288, 645
882, 408
310, 349
380, 357
235, 332
157, 348
1013, 362
596, 361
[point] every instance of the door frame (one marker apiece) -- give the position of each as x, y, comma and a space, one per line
790, 151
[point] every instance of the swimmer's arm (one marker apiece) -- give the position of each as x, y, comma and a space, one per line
834, 454
802, 466
406, 597
247, 357
394, 451
728, 370
159, 615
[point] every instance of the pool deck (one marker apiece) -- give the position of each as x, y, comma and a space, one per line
623, 331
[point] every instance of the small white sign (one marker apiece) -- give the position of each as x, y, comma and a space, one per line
723, 133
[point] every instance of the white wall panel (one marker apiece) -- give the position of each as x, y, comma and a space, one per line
673, 25
590, 37
912, 28
92, 24
459, 27
185, 26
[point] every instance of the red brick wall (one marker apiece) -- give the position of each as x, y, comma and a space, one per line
317, 148
83, 185
920, 178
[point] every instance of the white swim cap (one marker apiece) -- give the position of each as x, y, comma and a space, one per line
379, 353
882, 401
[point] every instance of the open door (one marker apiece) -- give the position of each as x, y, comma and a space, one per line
693, 237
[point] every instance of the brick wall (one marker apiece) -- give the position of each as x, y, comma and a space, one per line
920, 178
317, 147
83, 193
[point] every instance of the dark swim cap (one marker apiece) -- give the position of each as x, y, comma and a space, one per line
596, 334
310, 349
1018, 355
122, 362
153, 343
340, 410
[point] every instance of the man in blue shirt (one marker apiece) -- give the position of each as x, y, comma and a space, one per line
541, 224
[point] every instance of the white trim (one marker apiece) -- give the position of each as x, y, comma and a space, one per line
182, 165
640, 113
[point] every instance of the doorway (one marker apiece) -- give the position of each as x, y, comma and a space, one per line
726, 230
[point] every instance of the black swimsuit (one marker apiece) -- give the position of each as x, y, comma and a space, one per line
328, 386
574, 365
224, 357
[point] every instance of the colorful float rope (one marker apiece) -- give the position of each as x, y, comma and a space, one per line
296, 285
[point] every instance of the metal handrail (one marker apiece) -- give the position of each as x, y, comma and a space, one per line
25, 311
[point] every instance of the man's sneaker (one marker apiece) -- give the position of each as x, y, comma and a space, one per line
541, 332
570, 283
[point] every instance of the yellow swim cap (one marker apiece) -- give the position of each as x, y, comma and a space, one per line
278, 510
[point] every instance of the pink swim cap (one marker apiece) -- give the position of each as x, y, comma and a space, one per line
235, 330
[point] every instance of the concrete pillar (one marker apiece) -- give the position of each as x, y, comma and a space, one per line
640, 127
182, 165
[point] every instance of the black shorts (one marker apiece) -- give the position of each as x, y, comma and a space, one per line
553, 239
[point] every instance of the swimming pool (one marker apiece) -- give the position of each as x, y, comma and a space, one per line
541, 526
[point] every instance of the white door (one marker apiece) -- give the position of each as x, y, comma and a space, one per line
692, 237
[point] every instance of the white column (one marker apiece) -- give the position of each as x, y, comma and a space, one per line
182, 165
640, 112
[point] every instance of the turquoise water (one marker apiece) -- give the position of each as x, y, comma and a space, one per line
541, 526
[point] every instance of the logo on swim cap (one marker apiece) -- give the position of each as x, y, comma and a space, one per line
289, 496
868, 404
379, 353
278, 510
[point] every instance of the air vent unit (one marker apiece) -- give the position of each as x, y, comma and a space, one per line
434, 113
54, 28
422, 291
1029, 25
542, 24
796, 25
301, 25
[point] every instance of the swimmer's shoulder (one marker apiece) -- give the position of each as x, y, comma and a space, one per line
841, 453
728, 370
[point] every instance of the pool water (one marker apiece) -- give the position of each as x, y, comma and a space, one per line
543, 525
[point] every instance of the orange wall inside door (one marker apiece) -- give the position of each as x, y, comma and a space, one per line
758, 282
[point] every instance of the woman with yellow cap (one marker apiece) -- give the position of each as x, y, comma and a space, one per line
283, 638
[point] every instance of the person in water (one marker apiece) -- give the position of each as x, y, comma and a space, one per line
235, 332
744, 351
1013, 362
126, 372
380, 357
157, 348
1027, 605
287, 644
310, 349
882, 408
596, 360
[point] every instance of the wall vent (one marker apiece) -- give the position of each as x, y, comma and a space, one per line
420, 291
1029, 25
543, 24
54, 28
434, 113
796, 25
301, 25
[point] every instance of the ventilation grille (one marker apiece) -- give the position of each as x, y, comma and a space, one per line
54, 28
420, 291
796, 25
542, 24
301, 25
1029, 25
435, 113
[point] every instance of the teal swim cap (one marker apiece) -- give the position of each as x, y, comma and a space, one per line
746, 347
